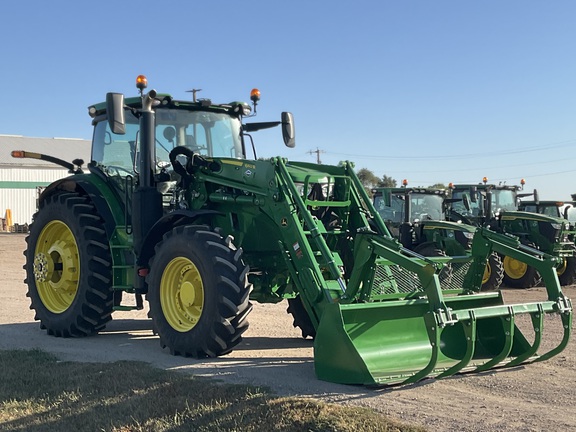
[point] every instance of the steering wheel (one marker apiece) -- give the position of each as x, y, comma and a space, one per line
193, 160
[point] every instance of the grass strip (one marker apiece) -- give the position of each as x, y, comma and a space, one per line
40, 393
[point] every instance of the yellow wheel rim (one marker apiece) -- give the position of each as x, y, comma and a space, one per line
182, 294
562, 267
514, 268
56, 266
487, 273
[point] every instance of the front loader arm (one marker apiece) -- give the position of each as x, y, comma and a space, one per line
313, 225
485, 241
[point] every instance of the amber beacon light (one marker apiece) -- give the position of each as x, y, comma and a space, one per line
141, 82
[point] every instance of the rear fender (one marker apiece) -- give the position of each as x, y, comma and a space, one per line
109, 208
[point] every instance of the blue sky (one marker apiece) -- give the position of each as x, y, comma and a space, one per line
431, 91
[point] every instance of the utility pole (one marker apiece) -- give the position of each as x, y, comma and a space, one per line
317, 151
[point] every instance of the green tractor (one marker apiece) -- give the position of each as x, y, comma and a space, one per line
497, 208
558, 210
172, 209
417, 218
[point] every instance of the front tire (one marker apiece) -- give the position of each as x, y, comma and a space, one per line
198, 292
68, 267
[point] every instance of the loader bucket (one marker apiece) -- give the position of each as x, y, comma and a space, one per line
403, 341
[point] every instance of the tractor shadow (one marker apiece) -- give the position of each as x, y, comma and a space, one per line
252, 343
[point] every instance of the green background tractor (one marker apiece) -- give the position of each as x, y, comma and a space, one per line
496, 207
559, 210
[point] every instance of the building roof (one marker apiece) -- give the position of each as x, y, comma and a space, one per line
67, 149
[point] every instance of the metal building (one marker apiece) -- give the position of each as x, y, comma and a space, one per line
20, 179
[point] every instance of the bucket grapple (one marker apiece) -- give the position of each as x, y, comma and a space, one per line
400, 317
431, 330
179, 214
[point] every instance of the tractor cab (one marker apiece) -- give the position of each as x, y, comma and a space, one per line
417, 218
479, 203
410, 205
549, 208
558, 209
207, 130
154, 141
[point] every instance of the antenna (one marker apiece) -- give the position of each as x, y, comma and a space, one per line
194, 91
317, 151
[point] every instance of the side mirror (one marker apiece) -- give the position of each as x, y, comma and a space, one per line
288, 133
115, 112
536, 199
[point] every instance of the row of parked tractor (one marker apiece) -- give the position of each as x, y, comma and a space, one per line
442, 222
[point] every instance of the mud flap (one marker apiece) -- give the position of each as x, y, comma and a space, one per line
403, 341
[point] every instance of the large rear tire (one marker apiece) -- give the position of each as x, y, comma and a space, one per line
493, 273
198, 292
68, 267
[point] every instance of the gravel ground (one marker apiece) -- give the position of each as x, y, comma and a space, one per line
535, 397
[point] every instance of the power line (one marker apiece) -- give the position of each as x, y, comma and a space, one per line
494, 167
460, 156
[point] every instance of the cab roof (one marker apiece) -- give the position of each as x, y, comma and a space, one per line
167, 101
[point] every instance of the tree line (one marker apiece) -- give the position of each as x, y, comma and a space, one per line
370, 181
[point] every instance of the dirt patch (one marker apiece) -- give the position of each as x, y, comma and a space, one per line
535, 397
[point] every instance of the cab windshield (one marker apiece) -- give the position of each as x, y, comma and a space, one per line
391, 213
548, 210
423, 207
475, 206
427, 207
211, 134
504, 199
